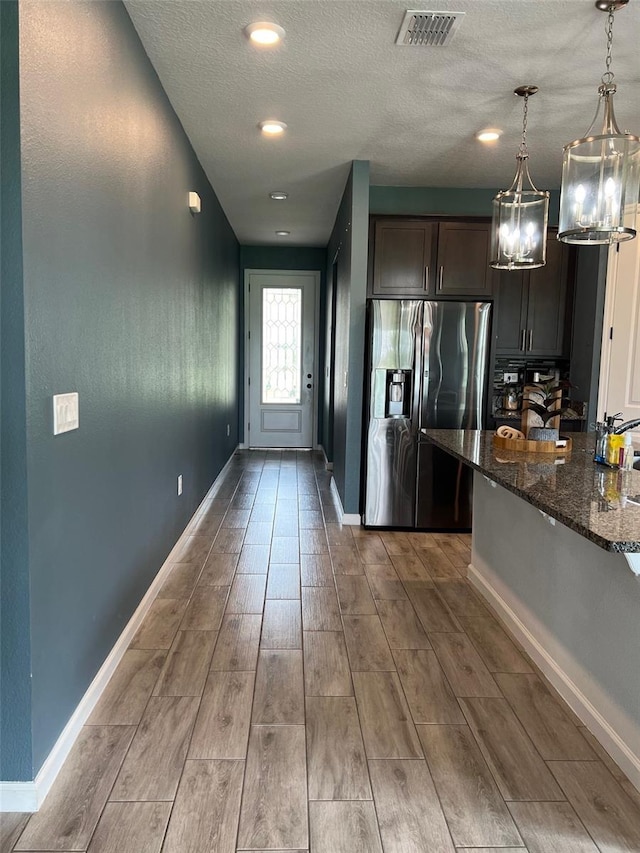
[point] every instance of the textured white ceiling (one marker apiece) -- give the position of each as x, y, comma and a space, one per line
347, 92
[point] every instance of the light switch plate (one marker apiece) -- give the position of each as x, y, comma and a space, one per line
65, 413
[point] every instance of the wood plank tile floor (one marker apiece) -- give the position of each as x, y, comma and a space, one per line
303, 686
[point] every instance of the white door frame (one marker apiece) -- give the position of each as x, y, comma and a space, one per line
316, 347
608, 322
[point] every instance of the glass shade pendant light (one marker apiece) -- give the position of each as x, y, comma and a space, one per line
601, 172
519, 226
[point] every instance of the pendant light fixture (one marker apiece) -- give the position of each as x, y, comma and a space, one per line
601, 172
519, 227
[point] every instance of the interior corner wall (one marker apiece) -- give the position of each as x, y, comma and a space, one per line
348, 245
15, 646
287, 258
131, 301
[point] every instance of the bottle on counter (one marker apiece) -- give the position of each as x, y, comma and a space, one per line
601, 442
615, 449
627, 453
608, 444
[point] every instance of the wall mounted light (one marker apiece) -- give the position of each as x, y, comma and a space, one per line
519, 225
264, 33
279, 195
195, 205
601, 172
282, 233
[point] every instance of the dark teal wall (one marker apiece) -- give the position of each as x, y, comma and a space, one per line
283, 258
349, 245
446, 201
287, 258
132, 302
15, 682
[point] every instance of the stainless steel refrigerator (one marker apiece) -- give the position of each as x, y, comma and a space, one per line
428, 363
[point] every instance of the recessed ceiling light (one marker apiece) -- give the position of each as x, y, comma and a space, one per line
272, 127
489, 134
264, 33
282, 233
278, 195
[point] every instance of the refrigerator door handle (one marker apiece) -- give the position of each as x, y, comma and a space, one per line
417, 369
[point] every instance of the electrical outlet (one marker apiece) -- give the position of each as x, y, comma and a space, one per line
228, 429
179, 484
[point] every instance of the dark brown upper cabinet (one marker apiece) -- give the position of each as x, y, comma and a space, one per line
426, 258
463, 259
531, 307
404, 257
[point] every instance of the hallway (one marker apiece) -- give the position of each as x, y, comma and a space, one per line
306, 686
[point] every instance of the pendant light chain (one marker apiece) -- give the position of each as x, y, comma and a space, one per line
523, 145
609, 31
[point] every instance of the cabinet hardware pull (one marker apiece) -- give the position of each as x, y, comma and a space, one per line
530, 346
426, 278
440, 277
523, 335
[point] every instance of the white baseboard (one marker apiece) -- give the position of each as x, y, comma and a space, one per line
489, 588
328, 465
29, 796
352, 519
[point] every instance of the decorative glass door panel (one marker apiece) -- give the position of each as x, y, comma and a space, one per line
281, 359
281, 344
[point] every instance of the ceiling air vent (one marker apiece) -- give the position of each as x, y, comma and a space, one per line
428, 29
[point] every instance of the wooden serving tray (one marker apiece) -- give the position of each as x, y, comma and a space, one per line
527, 446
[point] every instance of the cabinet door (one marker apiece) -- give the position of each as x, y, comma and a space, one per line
547, 302
403, 259
463, 259
510, 312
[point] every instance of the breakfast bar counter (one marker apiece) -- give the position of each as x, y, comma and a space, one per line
599, 503
556, 552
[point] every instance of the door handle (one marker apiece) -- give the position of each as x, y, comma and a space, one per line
426, 278
523, 336
440, 277
530, 344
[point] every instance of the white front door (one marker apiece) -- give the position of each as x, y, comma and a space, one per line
281, 375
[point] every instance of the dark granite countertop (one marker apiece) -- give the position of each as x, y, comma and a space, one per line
599, 503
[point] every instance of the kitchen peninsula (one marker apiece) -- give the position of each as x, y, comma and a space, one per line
556, 552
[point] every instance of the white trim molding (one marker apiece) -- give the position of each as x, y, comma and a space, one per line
327, 465
351, 519
246, 445
531, 636
29, 796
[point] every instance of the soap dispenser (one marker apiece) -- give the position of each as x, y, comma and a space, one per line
604, 432
612, 442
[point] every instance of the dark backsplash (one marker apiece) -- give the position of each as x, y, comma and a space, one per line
523, 370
